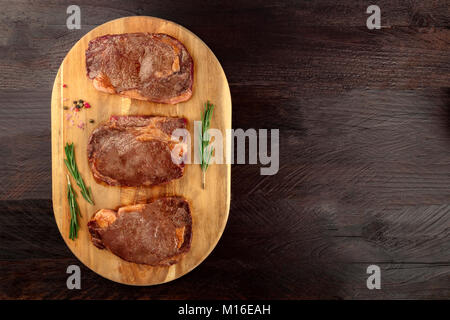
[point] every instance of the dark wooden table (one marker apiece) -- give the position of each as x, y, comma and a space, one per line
364, 119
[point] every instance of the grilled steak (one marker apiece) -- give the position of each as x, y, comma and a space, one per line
145, 66
157, 233
135, 151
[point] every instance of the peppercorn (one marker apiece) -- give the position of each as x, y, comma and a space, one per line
80, 101
75, 102
65, 107
91, 120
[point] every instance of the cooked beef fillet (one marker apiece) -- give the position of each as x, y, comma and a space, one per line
157, 233
135, 151
145, 66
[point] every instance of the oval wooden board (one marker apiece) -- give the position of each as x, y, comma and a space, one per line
209, 207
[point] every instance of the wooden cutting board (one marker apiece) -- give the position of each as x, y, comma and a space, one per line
209, 207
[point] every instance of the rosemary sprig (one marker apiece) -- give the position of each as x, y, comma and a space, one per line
206, 150
73, 170
74, 211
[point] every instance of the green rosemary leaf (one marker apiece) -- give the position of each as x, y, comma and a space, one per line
206, 150
74, 211
73, 170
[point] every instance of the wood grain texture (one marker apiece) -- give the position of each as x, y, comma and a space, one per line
209, 207
364, 178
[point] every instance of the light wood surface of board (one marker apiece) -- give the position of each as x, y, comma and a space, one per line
209, 207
